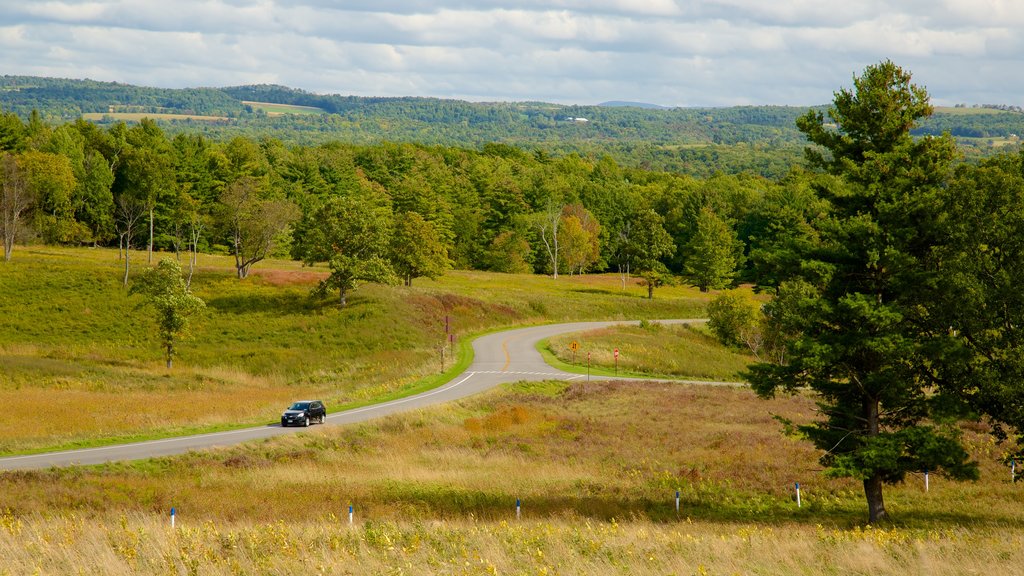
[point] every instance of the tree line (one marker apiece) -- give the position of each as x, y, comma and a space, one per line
386, 212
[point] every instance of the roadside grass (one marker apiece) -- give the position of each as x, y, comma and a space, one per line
595, 466
682, 351
75, 344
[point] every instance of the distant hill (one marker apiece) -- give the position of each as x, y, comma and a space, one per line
699, 141
625, 104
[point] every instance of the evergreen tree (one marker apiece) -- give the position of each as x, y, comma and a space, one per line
853, 308
714, 252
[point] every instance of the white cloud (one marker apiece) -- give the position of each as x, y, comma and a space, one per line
693, 52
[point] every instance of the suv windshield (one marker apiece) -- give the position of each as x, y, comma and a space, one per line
300, 406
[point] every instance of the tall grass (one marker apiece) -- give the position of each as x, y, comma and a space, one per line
595, 466
138, 544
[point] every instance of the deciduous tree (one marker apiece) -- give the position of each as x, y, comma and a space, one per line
15, 198
164, 290
416, 248
351, 234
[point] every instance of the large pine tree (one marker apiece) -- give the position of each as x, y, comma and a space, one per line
852, 308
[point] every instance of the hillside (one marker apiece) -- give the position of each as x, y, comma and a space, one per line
697, 141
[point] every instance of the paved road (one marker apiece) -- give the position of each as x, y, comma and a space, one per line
499, 358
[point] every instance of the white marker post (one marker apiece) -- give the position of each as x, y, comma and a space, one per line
1013, 471
925, 480
518, 516
172, 518
677, 502
349, 514
798, 495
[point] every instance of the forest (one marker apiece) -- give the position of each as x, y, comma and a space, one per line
759, 140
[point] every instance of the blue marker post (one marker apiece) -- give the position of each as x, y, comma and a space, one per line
518, 516
925, 480
172, 518
798, 495
677, 502
349, 514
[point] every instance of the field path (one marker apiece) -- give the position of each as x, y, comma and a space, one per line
502, 357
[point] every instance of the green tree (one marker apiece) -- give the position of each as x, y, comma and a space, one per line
975, 303
164, 290
853, 310
714, 252
52, 180
580, 235
416, 249
648, 245
510, 253
351, 234
734, 317
253, 221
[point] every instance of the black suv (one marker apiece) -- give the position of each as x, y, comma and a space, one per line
304, 412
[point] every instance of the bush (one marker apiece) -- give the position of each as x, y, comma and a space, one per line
734, 317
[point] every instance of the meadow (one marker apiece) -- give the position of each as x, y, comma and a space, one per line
596, 466
137, 116
273, 109
75, 343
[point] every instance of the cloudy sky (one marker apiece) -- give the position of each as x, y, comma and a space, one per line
669, 52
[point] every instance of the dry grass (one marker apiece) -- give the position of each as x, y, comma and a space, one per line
138, 544
595, 466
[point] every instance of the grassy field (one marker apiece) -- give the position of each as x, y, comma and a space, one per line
76, 343
969, 111
652, 349
595, 466
137, 116
280, 109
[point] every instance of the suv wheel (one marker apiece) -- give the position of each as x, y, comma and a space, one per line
306, 422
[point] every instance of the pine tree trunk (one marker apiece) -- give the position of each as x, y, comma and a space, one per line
342, 297
873, 484
873, 493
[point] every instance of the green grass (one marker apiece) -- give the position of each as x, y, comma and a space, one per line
651, 350
78, 343
137, 116
273, 109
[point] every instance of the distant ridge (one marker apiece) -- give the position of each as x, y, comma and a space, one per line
627, 104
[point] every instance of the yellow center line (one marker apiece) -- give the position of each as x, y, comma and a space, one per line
508, 358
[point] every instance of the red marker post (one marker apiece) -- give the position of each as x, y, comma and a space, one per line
616, 360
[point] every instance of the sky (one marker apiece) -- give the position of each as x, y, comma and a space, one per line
667, 52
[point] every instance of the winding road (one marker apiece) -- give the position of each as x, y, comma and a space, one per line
502, 357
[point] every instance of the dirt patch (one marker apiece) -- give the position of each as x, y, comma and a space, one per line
289, 277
